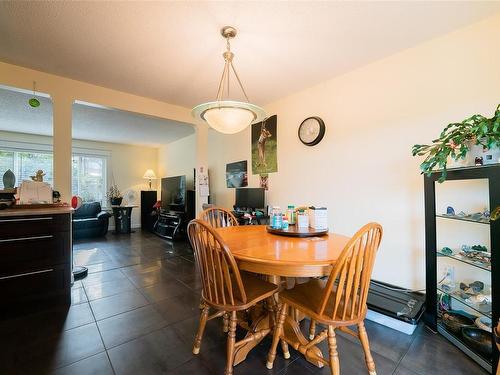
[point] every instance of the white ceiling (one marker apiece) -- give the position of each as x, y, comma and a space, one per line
89, 122
172, 50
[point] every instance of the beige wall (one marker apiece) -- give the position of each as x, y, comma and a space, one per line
127, 163
178, 158
363, 169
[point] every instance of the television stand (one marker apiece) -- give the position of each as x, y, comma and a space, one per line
168, 224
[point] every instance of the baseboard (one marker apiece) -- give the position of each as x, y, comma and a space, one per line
133, 226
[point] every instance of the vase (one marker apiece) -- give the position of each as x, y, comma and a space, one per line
9, 179
116, 201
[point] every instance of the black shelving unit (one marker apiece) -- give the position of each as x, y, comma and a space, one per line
435, 291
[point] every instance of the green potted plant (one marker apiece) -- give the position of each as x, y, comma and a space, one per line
114, 196
456, 140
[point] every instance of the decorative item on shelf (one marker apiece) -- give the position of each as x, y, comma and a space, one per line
311, 131
56, 196
478, 161
114, 196
455, 321
483, 258
38, 177
228, 116
447, 251
34, 102
149, 175
484, 323
457, 139
473, 288
9, 179
478, 339
483, 217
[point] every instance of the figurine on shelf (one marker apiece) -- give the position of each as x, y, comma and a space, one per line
38, 177
447, 251
482, 257
473, 288
480, 299
450, 211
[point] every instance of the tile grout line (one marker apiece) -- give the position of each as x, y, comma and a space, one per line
405, 353
98, 330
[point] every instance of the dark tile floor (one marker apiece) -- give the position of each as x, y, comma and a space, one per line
137, 312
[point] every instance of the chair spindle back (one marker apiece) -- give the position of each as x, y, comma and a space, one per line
218, 217
349, 280
220, 275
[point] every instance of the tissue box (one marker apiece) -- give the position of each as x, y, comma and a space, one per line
318, 217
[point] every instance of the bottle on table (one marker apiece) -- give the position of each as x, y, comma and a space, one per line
284, 224
290, 213
302, 219
276, 218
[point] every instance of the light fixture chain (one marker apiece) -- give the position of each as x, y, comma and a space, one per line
239, 81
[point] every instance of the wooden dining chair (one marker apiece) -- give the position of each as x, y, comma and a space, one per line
224, 287
218, 217
338, 302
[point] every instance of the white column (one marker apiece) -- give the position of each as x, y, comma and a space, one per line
201, 160
62, 118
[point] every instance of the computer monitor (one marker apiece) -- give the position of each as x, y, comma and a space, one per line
250, 198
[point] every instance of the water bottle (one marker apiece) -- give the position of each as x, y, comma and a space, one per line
276, 218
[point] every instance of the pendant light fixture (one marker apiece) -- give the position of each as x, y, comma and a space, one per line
228, 116
34, 102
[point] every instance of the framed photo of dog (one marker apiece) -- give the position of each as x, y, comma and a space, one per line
265, 146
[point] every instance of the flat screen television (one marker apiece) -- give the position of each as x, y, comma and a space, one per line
250, 198
173, 193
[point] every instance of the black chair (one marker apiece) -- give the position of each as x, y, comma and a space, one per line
90, 221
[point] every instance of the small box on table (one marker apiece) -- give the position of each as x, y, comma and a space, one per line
318, 217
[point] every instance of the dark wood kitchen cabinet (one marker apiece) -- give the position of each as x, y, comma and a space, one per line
35, 258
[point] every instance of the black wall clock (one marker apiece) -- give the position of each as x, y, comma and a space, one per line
311, 131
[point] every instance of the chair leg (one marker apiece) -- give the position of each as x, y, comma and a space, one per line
225, 319
284, 348
363, 337
332, 349
312, 329
278, 330
201, 329
231, 340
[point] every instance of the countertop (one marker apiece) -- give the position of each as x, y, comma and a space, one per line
36, 211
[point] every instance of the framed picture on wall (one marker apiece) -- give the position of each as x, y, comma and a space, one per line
265, 146
237, 174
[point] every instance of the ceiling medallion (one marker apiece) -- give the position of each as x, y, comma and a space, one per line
228, 116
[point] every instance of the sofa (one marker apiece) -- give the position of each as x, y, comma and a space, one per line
90, 221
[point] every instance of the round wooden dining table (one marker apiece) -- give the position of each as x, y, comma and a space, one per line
277, 256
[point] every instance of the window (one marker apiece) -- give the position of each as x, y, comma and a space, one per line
25, 164
89, 171
89, 178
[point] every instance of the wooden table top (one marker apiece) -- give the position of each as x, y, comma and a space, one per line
259, 251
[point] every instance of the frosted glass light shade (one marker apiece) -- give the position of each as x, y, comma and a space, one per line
149, 174
229, 117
